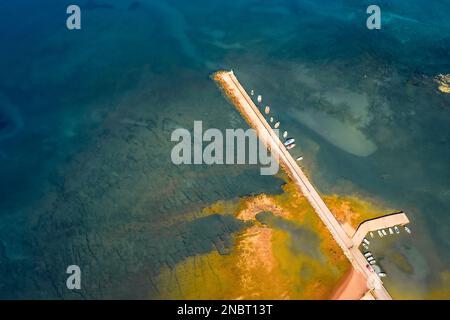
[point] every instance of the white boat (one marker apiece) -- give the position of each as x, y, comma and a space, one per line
407, 229
370, 259
289, 147
372, 262
380, 234
396, 229
271, 119
252, 92
365, 246
259, 98
277, 125
391, 231
371, 234
289, 141
384, 232
285, 134
300, 158
376, 268
382, 274
366, 241
367, 254
267, 110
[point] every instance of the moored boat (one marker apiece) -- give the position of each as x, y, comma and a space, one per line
289, 141
290, 146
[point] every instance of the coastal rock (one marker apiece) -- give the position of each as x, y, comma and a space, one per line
443, 81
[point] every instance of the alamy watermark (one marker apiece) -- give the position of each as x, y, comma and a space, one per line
74, 280
236, 146
73, 21
374, 20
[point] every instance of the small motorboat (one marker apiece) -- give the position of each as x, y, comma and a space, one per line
380, 234
289, 147
371, 235
407, 229
267, 110
289, 141
252, 92
285, 134
271, 119
397, 230
259, 98
372, 262
367, 254
365, 246
366, 241
384, 232
277, 125
299, 158
376, 268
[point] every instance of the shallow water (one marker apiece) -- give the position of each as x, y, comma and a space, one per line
85, 171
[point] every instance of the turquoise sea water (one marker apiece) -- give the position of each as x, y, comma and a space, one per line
86, 118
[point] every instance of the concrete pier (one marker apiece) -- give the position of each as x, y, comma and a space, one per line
384, 222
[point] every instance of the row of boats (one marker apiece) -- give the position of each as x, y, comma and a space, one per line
396, 230
289, 142
372, 263
382, 233
372, 266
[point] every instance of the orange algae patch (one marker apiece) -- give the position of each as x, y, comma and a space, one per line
353, 210
262, 263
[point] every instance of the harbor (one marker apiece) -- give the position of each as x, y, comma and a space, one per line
280, 150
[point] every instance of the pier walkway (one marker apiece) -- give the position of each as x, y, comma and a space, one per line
384, 222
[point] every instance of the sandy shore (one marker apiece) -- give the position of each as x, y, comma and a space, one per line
352, 287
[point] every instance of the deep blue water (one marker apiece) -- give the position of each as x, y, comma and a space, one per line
86, 117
